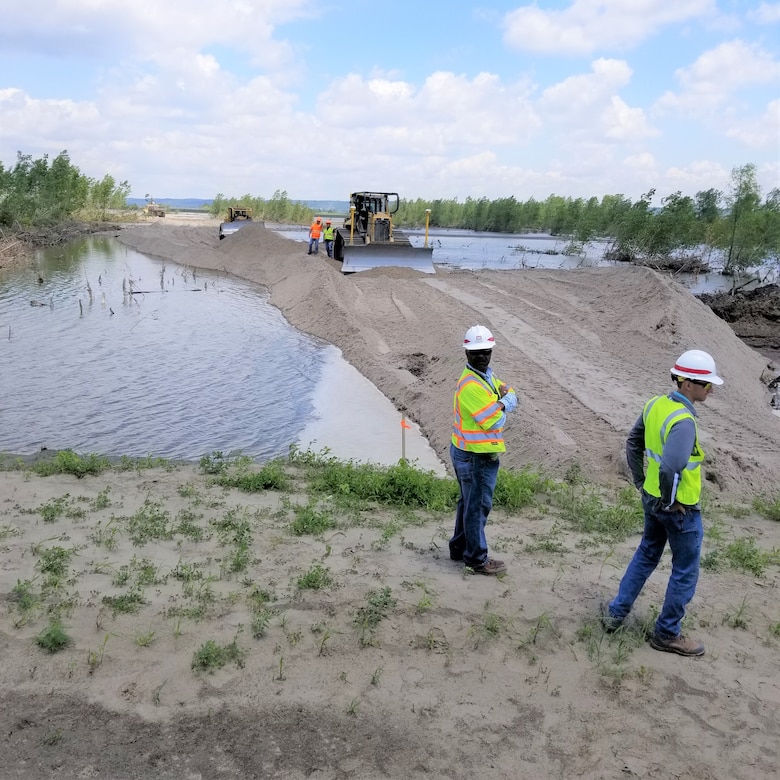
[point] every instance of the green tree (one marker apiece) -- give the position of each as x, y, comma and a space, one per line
739, 236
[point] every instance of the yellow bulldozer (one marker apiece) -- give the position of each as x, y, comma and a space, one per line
369, 239
237, 217
152, 209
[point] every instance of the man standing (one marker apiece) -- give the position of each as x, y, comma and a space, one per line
667, 432
481, 404
315, 231
329, 235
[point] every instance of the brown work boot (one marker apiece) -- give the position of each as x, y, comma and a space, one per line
682, 645
491, 566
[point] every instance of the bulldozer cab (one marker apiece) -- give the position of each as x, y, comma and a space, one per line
236, 213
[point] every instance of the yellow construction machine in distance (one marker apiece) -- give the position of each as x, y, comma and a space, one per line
369, 239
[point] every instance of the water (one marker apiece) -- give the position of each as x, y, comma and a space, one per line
475, 251
117, 353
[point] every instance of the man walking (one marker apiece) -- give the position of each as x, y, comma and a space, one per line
329, 235
315, 232
667, 433
480, 405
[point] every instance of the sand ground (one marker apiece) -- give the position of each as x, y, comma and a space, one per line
465, 676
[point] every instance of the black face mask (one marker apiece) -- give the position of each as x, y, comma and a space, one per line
479, 358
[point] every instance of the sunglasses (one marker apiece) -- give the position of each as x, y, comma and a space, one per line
480, 352
701, 383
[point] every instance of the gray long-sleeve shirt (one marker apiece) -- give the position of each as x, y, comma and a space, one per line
674, 458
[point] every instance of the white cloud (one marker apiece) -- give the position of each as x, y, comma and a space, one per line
590, 25
766, 13
758, 132
718, 74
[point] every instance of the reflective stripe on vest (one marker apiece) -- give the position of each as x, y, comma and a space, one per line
659, 415
476, 408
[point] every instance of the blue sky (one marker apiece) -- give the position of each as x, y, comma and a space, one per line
190, 98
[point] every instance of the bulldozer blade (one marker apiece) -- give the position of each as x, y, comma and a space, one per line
364, 257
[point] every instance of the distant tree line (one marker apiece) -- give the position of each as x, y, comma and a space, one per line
278, 209
41, 193
738, 223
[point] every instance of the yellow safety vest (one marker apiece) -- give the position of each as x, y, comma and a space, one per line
659, 415
329, 233
476, 408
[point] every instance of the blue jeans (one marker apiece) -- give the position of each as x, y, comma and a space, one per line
314, 246
684, 533
476, 473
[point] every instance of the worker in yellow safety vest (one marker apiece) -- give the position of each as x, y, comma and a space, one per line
667, 434
480, 407
329, 235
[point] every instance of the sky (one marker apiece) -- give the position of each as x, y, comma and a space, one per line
577, 98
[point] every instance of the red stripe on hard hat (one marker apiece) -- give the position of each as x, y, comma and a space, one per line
466, 341
692, 370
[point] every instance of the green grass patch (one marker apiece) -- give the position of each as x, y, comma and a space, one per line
53, 638
125, 603
211, 656
518, 489
151, 521
377, 607
311, 520
768, 506
586, 511
316, 578
69, 462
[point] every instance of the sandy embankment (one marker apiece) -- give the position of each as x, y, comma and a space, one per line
583, 348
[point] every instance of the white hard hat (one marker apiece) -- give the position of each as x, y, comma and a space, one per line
478, 337
696, 364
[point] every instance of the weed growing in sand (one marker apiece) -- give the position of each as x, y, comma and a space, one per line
316, 578
211, 656
768, 506
489, 625
26, 599
746, 555
357, 484
52, 510
311, 520
260, 622
68, 462
376, 676
543, 625
145, 638
101, 500
157, 691
378, 605
549, 541
95, 657
129, 602
150, 522
186, 525
585, 511
53, 564
737, 616
139, 464
352, 708
271, 476
518, 489
53, 638
106, 535
774, 629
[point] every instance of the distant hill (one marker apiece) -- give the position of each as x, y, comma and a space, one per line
325, 206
